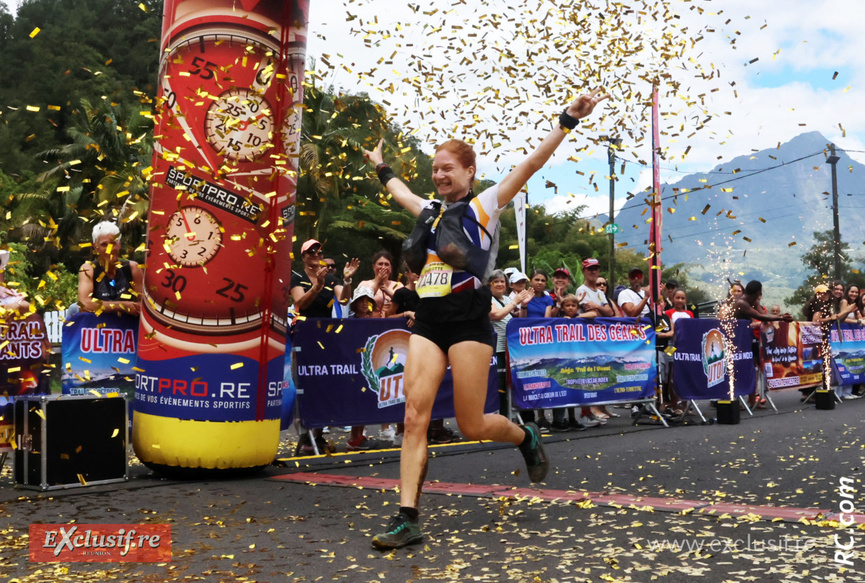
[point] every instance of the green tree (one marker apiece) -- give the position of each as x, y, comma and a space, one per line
94, 49
820, 260
99, 175
55, 289
334, 129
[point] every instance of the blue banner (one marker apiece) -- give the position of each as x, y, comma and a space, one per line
560, 362
700, 359
99, 353
24, 352
289, 391
350, 372
216, 392
848, 353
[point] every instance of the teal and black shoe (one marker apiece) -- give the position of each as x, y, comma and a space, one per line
401, 531
534, 453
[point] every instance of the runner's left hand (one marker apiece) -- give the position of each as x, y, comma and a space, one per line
583, 105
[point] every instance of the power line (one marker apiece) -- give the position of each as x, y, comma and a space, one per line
719, 229
708, 186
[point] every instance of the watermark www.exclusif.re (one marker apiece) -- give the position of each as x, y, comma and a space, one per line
844, 548
728, 545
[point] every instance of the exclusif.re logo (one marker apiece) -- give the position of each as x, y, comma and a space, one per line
382, 364
91, 543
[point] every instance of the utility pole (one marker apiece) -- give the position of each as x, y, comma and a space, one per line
833, 161
612, 146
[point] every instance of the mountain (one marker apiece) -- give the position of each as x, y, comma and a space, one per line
754, 216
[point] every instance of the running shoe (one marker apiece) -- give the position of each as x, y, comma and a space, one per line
543, 424
362, 444
534, 453
576, 425
560, 426
401, 531
387, 434
439, 436
587, 421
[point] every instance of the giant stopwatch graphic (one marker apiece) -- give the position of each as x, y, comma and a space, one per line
212, 334
227, 124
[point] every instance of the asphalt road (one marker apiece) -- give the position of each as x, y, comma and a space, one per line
265, 529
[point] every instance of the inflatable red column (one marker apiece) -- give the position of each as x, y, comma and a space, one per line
212, 334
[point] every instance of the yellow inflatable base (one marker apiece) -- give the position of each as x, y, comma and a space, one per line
164, 442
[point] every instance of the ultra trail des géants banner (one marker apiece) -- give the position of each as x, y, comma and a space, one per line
557, 362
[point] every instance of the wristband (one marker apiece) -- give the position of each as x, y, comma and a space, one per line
346, 280
567, 122
384, 173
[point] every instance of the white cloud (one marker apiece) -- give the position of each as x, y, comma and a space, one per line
595, 205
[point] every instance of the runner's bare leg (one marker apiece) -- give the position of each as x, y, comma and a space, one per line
424, 370
470, 364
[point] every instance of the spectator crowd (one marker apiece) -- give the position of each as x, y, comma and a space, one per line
318, 293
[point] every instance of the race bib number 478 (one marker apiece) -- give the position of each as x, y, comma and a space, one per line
435, 280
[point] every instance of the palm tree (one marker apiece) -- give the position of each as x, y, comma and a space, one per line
334, 130
100, 174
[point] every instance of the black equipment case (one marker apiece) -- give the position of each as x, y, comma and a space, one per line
70, 441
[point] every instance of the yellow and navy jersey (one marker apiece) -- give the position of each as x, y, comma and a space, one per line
483, 211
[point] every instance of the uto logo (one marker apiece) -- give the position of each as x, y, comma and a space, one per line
713, 357
383, 363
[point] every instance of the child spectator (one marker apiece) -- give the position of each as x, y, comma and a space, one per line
362, 305
680, 300
570, 306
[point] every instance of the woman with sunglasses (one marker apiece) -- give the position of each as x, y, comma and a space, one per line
315, 288
604, 287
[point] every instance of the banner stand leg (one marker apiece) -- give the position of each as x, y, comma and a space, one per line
312, 441
650, 406
745, 404
771, 402
3, 459
692, 405
512, 415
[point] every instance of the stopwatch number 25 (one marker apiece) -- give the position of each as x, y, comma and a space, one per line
233, 290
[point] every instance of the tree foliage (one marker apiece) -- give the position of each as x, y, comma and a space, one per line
93, 49
820, 260
55, 289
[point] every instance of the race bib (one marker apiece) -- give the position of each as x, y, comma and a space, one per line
435, 280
